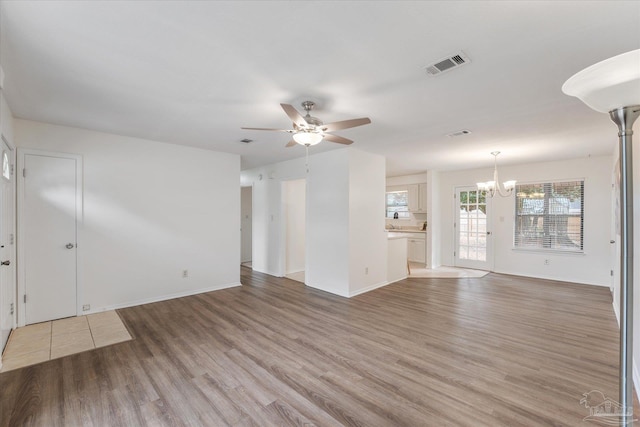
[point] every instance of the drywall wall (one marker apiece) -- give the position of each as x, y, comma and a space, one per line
328, 222
591, 267
434, 221
245, 223
329, 257
6, 120
151, 210
294, 201
267, 225
367, 237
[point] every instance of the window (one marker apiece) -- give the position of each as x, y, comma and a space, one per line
397, 203
6, 167
550, 216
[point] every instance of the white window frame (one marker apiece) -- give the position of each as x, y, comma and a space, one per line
549, 249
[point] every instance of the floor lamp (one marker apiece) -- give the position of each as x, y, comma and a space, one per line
613, 86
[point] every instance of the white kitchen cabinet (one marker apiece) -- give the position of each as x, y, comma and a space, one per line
417, 195
416, 250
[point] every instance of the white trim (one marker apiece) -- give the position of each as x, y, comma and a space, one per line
12, 252
20, 264
163, 298
543, 277
369, 288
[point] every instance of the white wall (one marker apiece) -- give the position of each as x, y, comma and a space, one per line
592, 267
267, 225
367, 238
294, 200
434, 220
245, 223
6, 120
328, 222
329, 258
151, 210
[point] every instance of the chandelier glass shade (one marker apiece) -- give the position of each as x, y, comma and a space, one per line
493, 187
609, 84
307, 138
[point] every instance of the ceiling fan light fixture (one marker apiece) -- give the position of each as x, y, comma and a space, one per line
307, 138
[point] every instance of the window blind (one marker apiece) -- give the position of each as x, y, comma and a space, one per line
550, 216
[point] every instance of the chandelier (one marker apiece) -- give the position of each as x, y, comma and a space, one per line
493, 187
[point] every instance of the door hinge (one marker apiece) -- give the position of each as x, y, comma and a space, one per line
11, 169
25, 298
11, 309
611, 272
11, 239
24, 173
454, 254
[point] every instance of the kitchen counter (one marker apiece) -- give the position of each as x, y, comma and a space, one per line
397, 259
393, 234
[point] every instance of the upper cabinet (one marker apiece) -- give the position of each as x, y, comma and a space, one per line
417, 198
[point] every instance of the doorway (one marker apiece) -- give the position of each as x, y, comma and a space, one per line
246, 214
294, 227
50, 204
472, 229
7, 245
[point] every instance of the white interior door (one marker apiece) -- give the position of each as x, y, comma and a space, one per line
472, 228
7, 267
50, 188
246, 196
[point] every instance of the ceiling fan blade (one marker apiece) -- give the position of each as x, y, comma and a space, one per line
291, 143
345, 124
338, 139
276, 130
294, 115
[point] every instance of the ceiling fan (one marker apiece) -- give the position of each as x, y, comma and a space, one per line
310, 130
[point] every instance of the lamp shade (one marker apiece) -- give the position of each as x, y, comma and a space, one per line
307, 138
609, 84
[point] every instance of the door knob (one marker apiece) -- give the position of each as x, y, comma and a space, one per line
69, 246
612, 241
7, 262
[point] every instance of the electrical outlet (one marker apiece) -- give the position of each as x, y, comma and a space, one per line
86, 307
547, 261
185, 274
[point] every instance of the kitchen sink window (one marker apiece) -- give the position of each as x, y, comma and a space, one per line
397, 204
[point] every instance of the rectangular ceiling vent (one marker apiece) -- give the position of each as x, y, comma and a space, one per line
459, 133
448, 63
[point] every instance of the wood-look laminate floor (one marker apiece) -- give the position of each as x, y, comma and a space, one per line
498, 350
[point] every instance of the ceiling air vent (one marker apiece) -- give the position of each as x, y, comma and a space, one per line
459, 133
448, 63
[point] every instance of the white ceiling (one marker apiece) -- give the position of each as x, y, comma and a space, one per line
193, 73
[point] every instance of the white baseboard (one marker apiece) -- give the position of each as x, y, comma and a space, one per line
162, 298
368, 289
636, 377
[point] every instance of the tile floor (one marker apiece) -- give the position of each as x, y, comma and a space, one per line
50, 340
418, 271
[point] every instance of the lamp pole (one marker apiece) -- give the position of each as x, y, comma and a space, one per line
624, 118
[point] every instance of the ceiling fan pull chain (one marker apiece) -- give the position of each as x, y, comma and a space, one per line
306, 160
